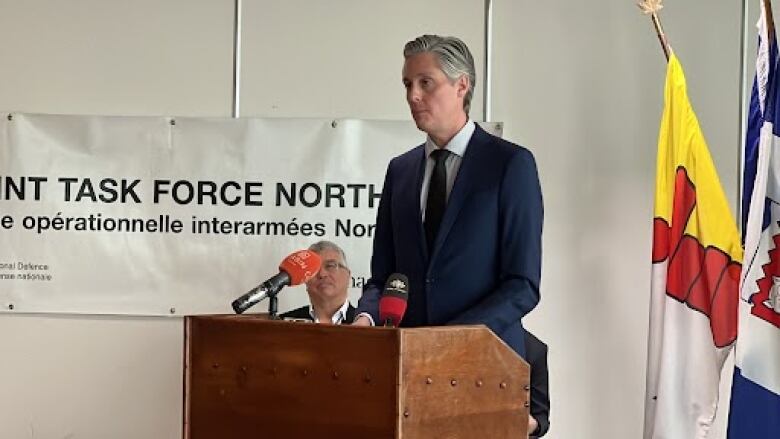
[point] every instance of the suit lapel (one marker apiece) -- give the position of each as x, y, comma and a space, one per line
413, 203
463, 186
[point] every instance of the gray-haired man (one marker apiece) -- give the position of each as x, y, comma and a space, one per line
328, 289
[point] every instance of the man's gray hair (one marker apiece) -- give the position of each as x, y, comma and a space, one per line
320, 246
454, 58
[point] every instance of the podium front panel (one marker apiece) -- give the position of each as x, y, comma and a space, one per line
247, 377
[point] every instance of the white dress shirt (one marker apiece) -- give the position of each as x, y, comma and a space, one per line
338, 317
457, 148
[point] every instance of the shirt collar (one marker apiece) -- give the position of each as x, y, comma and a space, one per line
457, 145
338, 317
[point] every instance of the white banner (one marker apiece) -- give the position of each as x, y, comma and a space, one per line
158, 216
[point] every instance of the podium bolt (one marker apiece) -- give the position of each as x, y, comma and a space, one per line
429, 380
454, 383
502, 385
335, 375
406, 413
479, 383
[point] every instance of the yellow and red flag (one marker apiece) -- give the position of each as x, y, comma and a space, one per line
697, 259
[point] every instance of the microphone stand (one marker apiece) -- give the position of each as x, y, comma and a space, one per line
273, 307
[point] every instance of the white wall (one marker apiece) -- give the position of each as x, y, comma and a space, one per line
143, 57
342, 58
578, 83
90, 377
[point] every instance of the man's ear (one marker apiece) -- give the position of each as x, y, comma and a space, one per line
462, 85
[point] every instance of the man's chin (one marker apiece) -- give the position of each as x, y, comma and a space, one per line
422, 125
326, 291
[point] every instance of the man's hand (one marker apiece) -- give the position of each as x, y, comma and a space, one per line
532, 424
362, 321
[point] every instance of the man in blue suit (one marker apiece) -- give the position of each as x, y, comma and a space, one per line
460, 215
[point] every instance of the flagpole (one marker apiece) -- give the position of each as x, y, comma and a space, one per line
744, 91
651, 7
661, 35
770, 22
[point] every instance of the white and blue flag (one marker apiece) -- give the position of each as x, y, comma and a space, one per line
755, 397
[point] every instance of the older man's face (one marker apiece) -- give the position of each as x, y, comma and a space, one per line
333, 278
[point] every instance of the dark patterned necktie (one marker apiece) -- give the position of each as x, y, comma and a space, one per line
437, 197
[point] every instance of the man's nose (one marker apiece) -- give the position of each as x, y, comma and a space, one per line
413, 95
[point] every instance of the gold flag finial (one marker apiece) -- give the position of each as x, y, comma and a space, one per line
650, 6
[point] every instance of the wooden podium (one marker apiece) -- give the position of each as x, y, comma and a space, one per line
248, 377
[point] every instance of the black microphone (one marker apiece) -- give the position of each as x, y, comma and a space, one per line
261, 292
392, 304
295, 269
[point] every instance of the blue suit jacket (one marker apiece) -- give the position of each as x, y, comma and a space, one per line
485, 265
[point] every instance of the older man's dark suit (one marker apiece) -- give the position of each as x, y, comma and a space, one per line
485, 264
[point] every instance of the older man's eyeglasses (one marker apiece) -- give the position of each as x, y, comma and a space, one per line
332, 266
